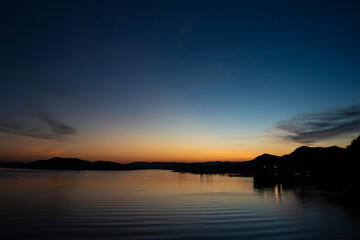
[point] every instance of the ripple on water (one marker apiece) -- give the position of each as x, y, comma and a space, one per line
93, 205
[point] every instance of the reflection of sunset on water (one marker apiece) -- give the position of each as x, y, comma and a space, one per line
161, 204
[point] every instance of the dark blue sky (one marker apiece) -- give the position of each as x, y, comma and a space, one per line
129, 79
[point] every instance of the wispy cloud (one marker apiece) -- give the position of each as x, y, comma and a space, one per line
54, 128
310, 128
270, 135
313, 127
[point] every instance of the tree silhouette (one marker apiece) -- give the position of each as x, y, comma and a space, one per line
355, 145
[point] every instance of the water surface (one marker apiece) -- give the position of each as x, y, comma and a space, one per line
156, 204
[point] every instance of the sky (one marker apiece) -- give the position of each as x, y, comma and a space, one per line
177, 80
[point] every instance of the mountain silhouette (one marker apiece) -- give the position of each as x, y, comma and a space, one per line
328, 165
58, 163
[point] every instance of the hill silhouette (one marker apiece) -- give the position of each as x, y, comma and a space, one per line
58, 163
328, 165
304, 165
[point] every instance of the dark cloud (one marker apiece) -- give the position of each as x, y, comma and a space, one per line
54, 128
314, 127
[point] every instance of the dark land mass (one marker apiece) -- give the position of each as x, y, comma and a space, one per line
331, 165
58, 163
322, 166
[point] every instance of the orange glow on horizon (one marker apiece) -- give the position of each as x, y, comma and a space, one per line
130, 148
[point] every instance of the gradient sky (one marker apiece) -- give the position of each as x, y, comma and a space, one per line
177, 80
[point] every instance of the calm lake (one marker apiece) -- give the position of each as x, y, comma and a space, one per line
157, 204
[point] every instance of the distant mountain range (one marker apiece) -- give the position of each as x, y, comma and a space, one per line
305, 164
58, 163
